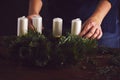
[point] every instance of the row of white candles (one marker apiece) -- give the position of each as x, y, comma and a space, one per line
22, 27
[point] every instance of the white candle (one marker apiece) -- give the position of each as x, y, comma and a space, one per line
76, 26
57, 27
37, 23
22, 26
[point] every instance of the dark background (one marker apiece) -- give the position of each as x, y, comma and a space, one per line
10, 10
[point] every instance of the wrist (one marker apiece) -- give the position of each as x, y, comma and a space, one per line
97, 19
101, 11
33, 13
35, 7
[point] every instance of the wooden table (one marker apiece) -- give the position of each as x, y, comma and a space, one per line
10, 70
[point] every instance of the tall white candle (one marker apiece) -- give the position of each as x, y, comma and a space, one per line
57, 27
76, 26
37, 23
22, 26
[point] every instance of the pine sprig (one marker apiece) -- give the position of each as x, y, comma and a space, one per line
38, 50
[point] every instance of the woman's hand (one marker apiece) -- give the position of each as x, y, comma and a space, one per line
92, 29
92, 26
34, 10
30, 25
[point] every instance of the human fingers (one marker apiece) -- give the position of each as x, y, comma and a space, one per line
30, 25
91, 32
100, 35
96, 34
86, 28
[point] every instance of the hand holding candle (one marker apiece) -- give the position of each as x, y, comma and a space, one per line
22, 26
37, 23
57, 27
76, 26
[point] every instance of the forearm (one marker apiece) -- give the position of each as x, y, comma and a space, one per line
92, 26
35, 7
102, 9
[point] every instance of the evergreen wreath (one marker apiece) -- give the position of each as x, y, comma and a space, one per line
38, 50
34, 49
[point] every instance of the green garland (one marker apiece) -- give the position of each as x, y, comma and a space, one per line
38, 50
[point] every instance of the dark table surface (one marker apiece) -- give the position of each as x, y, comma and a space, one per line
10, 70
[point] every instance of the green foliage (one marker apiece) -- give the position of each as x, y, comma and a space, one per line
73, 48
32, 49
38, 50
